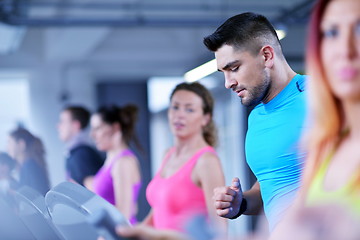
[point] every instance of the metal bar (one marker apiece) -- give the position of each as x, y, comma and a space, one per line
143, 6
9, 15
63, 22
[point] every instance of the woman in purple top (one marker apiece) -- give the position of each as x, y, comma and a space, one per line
119, 179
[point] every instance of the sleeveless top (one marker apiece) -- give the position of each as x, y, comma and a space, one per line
176, 199
348, 195
104, 187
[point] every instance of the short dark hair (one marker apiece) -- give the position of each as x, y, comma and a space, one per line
248, 31
79, 113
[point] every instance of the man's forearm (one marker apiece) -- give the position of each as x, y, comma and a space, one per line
254, 200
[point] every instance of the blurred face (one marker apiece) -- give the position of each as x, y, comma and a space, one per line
13, 148
244, 73
102, 133
340, 48
186, 117
67, 127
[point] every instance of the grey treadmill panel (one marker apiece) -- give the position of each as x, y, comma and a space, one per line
33, 212
78, 212
11, 226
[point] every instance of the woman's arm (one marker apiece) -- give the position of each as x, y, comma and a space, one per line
148, 220
89, 183
125, 174
144, 232
208, 175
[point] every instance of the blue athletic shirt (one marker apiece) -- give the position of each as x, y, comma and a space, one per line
272, 147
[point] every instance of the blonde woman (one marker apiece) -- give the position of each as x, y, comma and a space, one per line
183, 187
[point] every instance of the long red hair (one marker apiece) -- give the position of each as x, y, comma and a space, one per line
325, 109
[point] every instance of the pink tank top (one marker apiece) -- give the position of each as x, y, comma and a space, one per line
104, 187
176, 199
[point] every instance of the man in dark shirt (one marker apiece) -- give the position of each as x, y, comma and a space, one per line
82, 160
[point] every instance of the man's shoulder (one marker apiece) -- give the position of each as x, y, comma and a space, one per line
84, 149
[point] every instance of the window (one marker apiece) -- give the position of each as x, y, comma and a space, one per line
14, 105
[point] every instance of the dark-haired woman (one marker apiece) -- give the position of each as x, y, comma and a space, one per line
119, 180
29, 152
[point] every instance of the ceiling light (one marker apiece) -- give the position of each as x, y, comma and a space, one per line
201, 71
281, 33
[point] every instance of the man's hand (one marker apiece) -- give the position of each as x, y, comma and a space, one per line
227, 200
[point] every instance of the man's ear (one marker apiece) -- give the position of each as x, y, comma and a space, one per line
269, 55
77, 125
116, 126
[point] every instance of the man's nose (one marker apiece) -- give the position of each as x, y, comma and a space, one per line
229, 81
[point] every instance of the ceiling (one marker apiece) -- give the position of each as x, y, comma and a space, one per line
133, 39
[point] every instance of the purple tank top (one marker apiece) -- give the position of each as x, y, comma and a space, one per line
104, 187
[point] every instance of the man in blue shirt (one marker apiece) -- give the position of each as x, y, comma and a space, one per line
249, 54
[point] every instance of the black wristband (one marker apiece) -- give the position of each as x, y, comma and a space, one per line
242, 209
